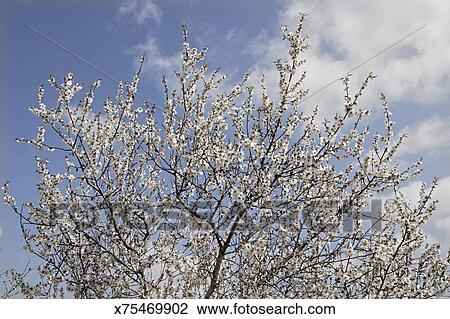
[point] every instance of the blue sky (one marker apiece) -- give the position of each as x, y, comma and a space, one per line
241, 35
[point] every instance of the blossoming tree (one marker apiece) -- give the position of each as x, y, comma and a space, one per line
223, 197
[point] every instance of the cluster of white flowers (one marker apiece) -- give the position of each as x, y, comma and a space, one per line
104, 224
7, 197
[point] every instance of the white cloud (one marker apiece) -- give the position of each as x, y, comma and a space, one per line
230, 34
141, 10
157, 64
412, 191
345, 33
431, 135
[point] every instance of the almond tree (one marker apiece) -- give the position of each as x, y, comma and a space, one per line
224, 197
